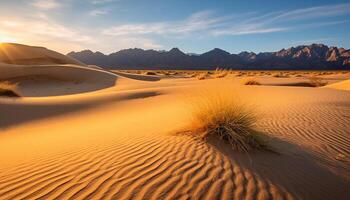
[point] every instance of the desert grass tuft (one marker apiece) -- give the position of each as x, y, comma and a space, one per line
8, 89
202, 76
220, 73
251, 82
219, 113
150, 73
280, 75
316, 82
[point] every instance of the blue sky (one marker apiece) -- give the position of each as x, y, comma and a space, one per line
194, 26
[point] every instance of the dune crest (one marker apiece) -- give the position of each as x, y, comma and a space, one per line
343, 85
20, 54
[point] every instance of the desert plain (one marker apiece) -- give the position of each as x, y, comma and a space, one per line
81, 132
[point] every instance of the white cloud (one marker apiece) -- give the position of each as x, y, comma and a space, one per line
139, 42
197, 22
46, 4
248, 31
206, 23
46, 32
102, 1
315, 12
98, 12
42, 31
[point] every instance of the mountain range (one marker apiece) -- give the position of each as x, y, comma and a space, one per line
313, 57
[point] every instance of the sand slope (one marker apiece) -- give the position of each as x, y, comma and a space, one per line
11, 53
53, 80
120, 144
343, 85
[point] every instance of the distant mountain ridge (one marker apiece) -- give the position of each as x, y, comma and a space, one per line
315, 56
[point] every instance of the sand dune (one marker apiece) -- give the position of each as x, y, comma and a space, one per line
52, 80
343, 85
20, 54
120, 143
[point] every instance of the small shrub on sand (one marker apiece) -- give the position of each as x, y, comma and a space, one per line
202, 76
149, 73
220, 114
192, 75
166, 73
280, 75
220, 73
251, 82
8, 89
316, 82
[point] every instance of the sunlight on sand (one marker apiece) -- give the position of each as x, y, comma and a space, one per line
113, 137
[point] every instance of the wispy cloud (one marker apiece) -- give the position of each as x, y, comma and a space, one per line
53, 34
98, 12
102, 1
139, 42
46, 4
199, 21
246, 31
314, 12
206, 22
44, 31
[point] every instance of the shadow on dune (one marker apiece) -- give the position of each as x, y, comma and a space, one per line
137, 76
45, 85
14, 113
55, 80
296, 84
292, 170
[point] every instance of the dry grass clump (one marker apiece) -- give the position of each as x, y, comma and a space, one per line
192, 75
280, 75
241, 73
316, 82
8, 89
220, 73
251, 82
166, 73
202, 76
219, 113
149, 73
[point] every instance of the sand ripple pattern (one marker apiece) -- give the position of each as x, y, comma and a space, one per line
159, 167
321, 124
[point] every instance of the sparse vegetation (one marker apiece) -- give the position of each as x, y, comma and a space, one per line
316, 82
220, 73
8, 89
219, 113
280, 75
251, 82
202, 76
192, 75
149, 73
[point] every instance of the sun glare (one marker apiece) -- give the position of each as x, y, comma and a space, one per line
6, 39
